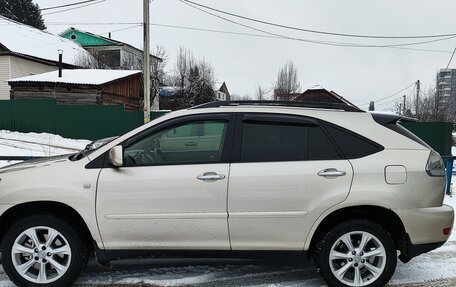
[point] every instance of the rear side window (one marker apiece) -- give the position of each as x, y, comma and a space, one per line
320, 146
270, 141
352, 145
273, 142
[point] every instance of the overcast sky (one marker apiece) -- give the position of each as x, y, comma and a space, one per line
243, 62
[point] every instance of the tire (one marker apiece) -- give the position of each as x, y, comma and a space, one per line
58, 261
340, 267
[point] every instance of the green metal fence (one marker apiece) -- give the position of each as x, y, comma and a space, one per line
436, 134
96, 121
75, 121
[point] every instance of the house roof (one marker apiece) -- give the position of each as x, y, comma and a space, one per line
224, 89
21, 39
88, 39
317, 93
77, 77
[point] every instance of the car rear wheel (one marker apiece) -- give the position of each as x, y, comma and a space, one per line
43, 250
356, 253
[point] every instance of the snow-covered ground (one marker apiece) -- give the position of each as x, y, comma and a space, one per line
36, 144
436, 268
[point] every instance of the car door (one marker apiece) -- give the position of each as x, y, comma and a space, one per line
286, 171
171, 192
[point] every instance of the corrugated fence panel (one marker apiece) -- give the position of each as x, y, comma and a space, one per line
436, 134
5, 115
71, 121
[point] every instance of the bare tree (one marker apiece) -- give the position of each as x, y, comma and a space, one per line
158, 69
261, 93
431, 108
184, 61
287, 83
196, 80
236, 97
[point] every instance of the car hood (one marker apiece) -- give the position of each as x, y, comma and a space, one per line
33, 163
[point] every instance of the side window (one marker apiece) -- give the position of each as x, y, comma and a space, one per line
270, 141
352, 145
320, 146
263, 141
194, 142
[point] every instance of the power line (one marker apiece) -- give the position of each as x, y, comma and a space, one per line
66, 5
123, 29
217, 31
449, 62
327, 43
390, 96
74, 8
317, 31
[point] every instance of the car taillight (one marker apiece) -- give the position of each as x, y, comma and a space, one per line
435, 165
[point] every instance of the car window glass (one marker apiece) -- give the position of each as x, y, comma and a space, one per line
320, 146
270, 141
195, 142
352, 145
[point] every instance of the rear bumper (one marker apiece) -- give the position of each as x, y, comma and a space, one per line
425, 225
424, 229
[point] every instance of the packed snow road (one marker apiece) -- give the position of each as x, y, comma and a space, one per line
437, 268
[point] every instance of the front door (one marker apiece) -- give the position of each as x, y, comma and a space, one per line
171, 192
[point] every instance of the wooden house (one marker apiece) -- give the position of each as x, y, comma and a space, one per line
25, 50
83, 86
110, 53
319, 94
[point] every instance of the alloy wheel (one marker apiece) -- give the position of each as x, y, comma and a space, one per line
357, 258
41, 254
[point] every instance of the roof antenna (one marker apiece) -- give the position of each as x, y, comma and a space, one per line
109, 35
60, 61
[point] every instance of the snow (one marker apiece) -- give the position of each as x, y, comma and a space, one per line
36, 144
78, 76
27, 40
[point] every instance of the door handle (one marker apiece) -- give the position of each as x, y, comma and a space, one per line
210, 176
331, 173
190, 144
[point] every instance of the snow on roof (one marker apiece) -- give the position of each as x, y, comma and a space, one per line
78, 77
316, 87
26, 40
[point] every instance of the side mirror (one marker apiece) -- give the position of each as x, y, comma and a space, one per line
116, 156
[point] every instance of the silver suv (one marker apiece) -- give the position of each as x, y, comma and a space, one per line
351, 189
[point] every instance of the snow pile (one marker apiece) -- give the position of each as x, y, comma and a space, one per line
36, 144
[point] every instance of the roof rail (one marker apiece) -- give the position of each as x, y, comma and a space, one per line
307, 104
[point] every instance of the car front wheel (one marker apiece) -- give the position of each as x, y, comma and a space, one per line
356, 253
42, 250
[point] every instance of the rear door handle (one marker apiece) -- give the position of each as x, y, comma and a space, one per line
331, 173
210, 176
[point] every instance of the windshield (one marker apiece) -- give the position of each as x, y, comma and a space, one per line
91, 147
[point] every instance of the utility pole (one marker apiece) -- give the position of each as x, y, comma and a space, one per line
417, 98
403, 113
400, 108
146, 61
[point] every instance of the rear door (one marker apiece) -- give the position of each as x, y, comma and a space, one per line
286, 171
